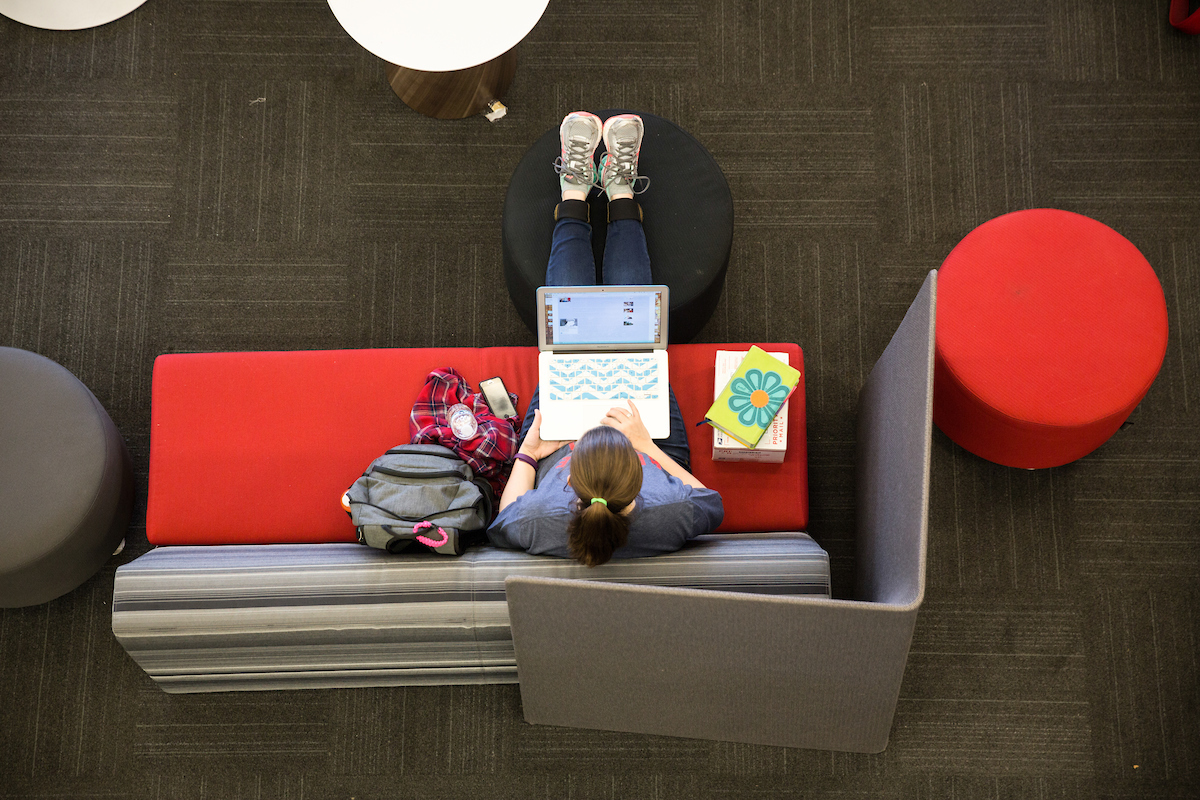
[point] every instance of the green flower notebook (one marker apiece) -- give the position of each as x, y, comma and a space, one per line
755, 393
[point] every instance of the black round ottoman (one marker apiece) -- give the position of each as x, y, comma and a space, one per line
66, 482
688, 217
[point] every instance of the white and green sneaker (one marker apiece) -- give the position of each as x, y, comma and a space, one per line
618, 169
579, 136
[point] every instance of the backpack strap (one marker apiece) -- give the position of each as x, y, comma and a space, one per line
453, 546
489, 499
445, 540
381, 537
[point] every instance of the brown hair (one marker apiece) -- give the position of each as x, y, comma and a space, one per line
605, 465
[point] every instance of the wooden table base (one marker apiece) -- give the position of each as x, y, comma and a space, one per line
454, 95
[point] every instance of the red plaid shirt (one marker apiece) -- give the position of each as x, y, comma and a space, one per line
490, 452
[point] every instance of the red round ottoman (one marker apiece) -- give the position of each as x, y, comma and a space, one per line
1050, 329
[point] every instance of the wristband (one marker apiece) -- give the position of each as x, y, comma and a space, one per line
528, 460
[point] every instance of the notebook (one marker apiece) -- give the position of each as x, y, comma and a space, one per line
601, 346
756, 391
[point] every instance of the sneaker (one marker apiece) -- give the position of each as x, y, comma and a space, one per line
618, 169
578, 136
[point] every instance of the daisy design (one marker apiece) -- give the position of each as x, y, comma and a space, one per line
756, 397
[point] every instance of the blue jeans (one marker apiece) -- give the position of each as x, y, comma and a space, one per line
626, 262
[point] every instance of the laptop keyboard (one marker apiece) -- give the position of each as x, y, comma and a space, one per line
593, 377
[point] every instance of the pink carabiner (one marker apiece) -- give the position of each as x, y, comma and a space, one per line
425, 540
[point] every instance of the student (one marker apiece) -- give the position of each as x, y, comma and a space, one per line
616, 492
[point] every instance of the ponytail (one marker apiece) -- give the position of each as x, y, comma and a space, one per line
607, 476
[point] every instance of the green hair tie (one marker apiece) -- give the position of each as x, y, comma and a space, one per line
600, 500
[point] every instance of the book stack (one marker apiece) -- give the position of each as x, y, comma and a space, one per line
749, 414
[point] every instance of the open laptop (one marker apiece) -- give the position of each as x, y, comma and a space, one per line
599, 347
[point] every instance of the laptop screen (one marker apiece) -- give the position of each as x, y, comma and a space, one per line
583, 316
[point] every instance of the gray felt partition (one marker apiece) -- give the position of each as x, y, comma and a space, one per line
791, 671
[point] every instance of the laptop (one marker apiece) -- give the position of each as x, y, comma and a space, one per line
601, 346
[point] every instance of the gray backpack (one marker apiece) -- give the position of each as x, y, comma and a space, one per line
420, 493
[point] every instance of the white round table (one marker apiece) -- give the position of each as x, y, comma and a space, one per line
446, 58
67, 15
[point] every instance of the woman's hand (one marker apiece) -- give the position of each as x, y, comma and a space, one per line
630, 423
533, 444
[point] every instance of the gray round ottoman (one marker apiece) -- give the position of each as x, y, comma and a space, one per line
66, 483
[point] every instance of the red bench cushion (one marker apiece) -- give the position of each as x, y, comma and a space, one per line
258, 447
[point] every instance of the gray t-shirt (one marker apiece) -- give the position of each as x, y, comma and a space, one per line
668, 512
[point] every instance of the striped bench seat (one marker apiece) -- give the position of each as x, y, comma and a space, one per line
288, 616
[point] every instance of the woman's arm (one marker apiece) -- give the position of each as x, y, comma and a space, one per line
630, 423
521, 479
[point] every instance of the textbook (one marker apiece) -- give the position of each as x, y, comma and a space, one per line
754, 394
772, 447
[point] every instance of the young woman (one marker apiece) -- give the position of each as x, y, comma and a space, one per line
616, 492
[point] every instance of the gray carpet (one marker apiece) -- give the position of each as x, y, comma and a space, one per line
237, 175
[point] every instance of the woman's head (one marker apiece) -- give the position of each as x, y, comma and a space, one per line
604, 466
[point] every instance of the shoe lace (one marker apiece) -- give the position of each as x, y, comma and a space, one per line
620, 165
577, 162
